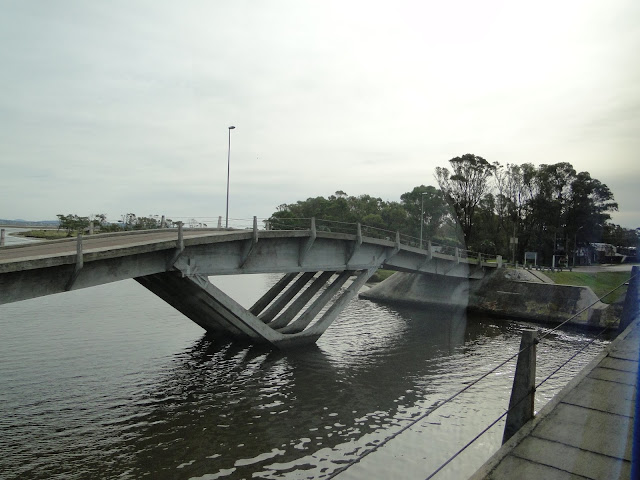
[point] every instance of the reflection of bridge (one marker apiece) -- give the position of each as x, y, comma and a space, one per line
175, 263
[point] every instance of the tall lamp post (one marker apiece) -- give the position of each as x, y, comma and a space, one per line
226, 225
421, 214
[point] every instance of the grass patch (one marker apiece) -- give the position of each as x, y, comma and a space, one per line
600, 282
46, 234
380, 275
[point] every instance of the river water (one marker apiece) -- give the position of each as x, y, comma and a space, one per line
110, 382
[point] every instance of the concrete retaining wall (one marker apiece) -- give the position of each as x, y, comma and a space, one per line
498, 294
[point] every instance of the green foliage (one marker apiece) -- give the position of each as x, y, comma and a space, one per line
44, 234
380, 275
428, 203
600, 282
464, 186
620, 236
371, 211
72, 223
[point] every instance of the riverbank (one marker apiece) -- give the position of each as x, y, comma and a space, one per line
505, 293
45, 234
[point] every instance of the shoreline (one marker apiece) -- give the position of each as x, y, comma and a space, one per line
506, 294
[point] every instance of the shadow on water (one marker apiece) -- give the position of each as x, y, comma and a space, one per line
232, 408
110, 382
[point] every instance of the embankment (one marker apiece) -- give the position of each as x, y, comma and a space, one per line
501, 293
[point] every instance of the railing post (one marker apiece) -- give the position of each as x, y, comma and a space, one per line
255, 229
180, 237
524, 386
79, 256
630, 306
2, 238
220, 222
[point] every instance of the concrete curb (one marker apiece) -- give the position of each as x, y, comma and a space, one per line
513, 442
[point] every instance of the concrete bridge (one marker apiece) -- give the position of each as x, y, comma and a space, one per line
323, 270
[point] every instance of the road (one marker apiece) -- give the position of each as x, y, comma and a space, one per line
97, 243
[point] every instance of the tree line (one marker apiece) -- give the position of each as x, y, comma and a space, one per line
73, 223
497, 209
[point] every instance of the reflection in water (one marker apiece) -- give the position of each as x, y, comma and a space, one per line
111, 382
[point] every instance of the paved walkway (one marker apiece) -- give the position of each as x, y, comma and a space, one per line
586, 431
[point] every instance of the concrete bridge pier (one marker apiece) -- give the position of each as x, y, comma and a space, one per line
275, 318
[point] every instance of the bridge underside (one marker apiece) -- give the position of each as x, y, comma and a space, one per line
295, 311
322, 272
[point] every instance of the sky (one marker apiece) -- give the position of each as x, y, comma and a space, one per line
124, 106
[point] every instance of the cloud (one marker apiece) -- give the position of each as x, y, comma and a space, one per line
125, 107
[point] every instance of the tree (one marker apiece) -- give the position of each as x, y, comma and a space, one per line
431, 204
516, 188
464, 186
72, 223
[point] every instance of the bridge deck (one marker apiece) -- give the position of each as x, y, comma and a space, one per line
586, 431
97, 243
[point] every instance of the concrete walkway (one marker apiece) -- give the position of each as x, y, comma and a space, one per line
586, 431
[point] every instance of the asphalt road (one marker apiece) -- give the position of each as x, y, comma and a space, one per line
98, 242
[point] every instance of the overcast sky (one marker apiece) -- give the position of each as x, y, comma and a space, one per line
123, 106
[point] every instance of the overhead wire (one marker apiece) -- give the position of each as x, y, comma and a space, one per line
435, 407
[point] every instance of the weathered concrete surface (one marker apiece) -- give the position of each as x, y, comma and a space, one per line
586, 431
420, 290
501, 293
32, 270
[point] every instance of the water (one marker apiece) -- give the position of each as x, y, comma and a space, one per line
13, 239
110, 382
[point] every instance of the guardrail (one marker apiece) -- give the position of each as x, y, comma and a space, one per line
323, 225
521, 396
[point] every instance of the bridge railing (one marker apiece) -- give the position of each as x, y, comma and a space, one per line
323, 225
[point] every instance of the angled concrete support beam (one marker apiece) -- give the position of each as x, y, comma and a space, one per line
396, 247
78, 265
298, 304
428, 257
334, 310
307, 317
187, 299
212, 309
276, 307
307, 246
179, 248
252, 243
272, 293
356, 244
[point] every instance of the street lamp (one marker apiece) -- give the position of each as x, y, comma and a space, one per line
228, 170
422, 214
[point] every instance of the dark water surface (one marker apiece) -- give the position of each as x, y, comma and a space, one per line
110, 382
